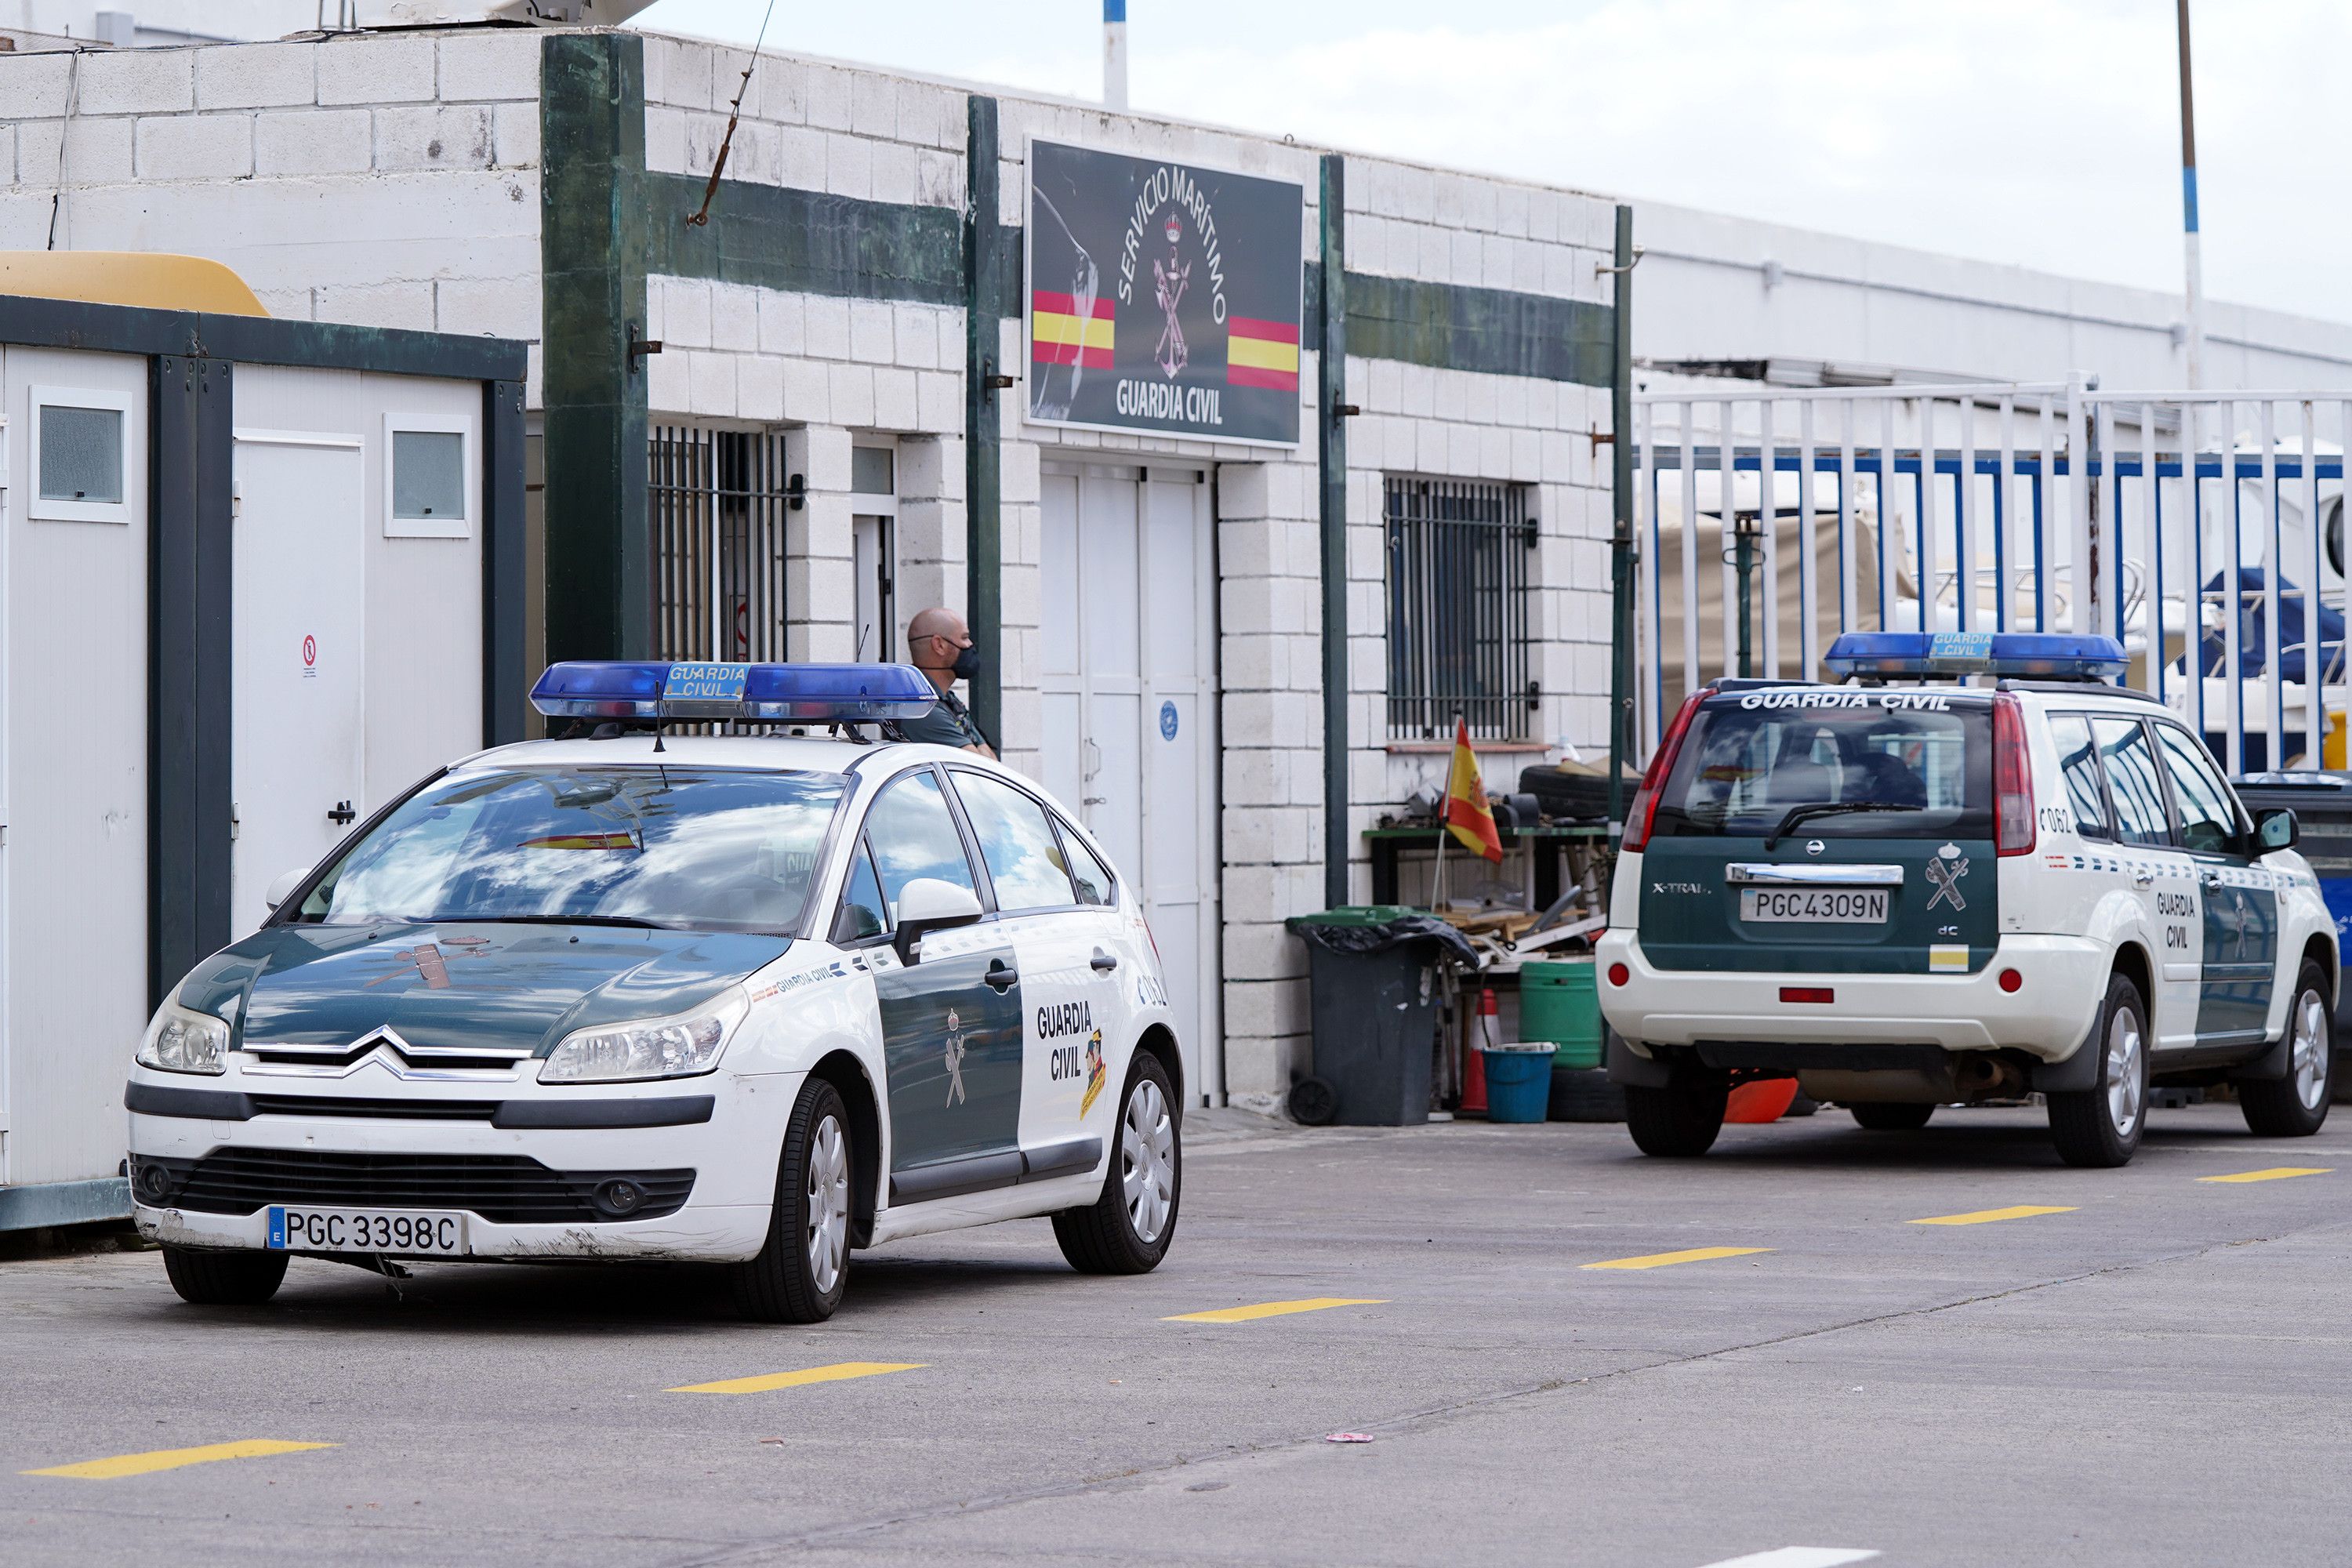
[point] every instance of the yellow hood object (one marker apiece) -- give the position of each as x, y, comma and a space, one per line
157, 281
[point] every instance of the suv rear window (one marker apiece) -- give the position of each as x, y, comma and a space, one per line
1899, 765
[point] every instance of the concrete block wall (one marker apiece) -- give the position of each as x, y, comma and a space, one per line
387, 180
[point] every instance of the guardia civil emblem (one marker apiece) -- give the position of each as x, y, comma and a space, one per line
953, 1057
1944, 874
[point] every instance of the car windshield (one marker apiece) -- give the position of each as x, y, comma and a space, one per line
1891, 764
675, 847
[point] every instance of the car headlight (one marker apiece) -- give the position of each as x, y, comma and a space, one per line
179, 1040
652, 1048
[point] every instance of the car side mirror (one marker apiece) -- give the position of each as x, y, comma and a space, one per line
283, 887
927, 904
2276, 829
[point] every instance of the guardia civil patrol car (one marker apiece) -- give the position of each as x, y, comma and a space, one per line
1973, 870
747, 998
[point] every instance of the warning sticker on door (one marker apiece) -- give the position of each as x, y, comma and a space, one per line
310, 657
1168, 720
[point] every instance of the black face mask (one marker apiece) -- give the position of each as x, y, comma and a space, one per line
967, 664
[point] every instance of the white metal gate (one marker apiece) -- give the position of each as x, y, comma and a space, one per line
2049, 507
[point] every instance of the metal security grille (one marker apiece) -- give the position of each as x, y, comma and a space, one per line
1458, 555
717, 501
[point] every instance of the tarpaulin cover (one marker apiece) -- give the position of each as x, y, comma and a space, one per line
2252, 612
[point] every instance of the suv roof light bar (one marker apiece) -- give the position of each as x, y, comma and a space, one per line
2047, 656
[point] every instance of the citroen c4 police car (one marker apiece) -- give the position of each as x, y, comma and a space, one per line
747, 998
1973, 870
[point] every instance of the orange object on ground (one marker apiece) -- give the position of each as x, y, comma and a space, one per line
1766, 1101
1473, 1060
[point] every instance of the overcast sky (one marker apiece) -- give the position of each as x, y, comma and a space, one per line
2044, 132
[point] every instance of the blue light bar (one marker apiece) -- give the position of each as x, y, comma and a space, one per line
2059, 655
765, 693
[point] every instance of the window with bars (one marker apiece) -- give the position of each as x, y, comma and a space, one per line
718, 499
1458, 558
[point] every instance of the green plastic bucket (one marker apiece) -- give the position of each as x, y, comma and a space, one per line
1557, 1002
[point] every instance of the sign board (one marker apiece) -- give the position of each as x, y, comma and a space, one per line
1163, 297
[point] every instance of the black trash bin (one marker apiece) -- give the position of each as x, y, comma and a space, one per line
2322, 804
1373, 971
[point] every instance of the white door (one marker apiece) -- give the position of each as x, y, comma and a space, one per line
300, 611
1130, 708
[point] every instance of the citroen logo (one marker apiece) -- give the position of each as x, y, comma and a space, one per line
385, 1034
1814, 846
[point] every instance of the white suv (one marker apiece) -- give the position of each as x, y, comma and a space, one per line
1909, 891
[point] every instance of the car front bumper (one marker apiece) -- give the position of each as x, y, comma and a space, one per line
733, 1157
2063, 980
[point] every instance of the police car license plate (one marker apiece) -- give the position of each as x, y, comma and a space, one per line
429, 1232
1834, 906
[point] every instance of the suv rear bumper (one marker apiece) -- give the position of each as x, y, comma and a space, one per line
2065, 980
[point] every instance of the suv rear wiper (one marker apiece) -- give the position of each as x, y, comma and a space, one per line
1797, 814
631, 920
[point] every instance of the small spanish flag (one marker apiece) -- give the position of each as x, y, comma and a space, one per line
1467, 816
1262, 354
1060, 334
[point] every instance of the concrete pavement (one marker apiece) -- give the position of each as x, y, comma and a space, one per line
2145, 1368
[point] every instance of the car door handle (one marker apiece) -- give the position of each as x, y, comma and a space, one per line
1001, 976
1102, 963
2210, 879
2143, 878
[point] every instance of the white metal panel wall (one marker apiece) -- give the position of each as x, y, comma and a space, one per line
424, 596
73, 752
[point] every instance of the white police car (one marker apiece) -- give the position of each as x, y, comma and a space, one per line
751, 999
1908, 893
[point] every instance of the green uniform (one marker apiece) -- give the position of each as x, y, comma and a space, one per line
949, 724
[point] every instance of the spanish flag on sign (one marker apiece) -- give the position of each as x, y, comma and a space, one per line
1467, 816
1064, 330
1262, 354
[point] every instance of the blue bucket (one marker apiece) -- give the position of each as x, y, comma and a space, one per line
1518, 1081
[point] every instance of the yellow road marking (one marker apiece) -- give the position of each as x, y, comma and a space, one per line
173, 1458
837, 1373
1274, 1310
2275, 1173
1986, 1216
1668, 1259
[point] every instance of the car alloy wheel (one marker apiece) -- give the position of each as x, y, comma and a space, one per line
2311, 1049
827, 1240
2125, 1080
1147, 1149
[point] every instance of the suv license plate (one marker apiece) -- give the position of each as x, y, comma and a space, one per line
427, 1232
1829, 906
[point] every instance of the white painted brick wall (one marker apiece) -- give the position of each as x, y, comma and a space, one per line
194, 146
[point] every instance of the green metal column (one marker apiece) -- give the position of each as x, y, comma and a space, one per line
1620, 536
1331, 443
593, 218
984, 274
507, 664
191, 455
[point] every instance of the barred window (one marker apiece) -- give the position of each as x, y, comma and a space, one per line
718, 499
1457, 561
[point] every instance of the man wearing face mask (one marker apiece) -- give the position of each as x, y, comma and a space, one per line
939, 645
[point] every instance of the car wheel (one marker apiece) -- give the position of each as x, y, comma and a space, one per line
1893, 1118
804, 1267
1679, 1121
2294, 1105
2101, 1125
1127, 1229
224, 1278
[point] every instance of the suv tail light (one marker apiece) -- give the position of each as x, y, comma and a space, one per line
2012, 779
1653, 777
